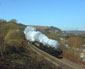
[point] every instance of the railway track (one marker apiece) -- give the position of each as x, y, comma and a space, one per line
63, 63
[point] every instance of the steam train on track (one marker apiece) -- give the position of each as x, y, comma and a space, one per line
51, 50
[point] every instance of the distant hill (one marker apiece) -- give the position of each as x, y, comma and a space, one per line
75, 32
49, 29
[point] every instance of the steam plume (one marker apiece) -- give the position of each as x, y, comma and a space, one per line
32, 35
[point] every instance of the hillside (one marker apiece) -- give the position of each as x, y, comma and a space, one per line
49, 29
15, 52
13, 45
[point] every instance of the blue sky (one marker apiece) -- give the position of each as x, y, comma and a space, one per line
64, 14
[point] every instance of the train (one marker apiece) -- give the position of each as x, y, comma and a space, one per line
51, 50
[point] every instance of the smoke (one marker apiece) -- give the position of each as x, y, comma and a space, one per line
32, 35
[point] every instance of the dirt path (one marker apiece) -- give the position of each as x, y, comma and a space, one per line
64, 63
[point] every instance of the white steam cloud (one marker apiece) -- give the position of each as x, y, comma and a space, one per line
32, 35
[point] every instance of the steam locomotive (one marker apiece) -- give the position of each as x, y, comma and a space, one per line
51, 50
